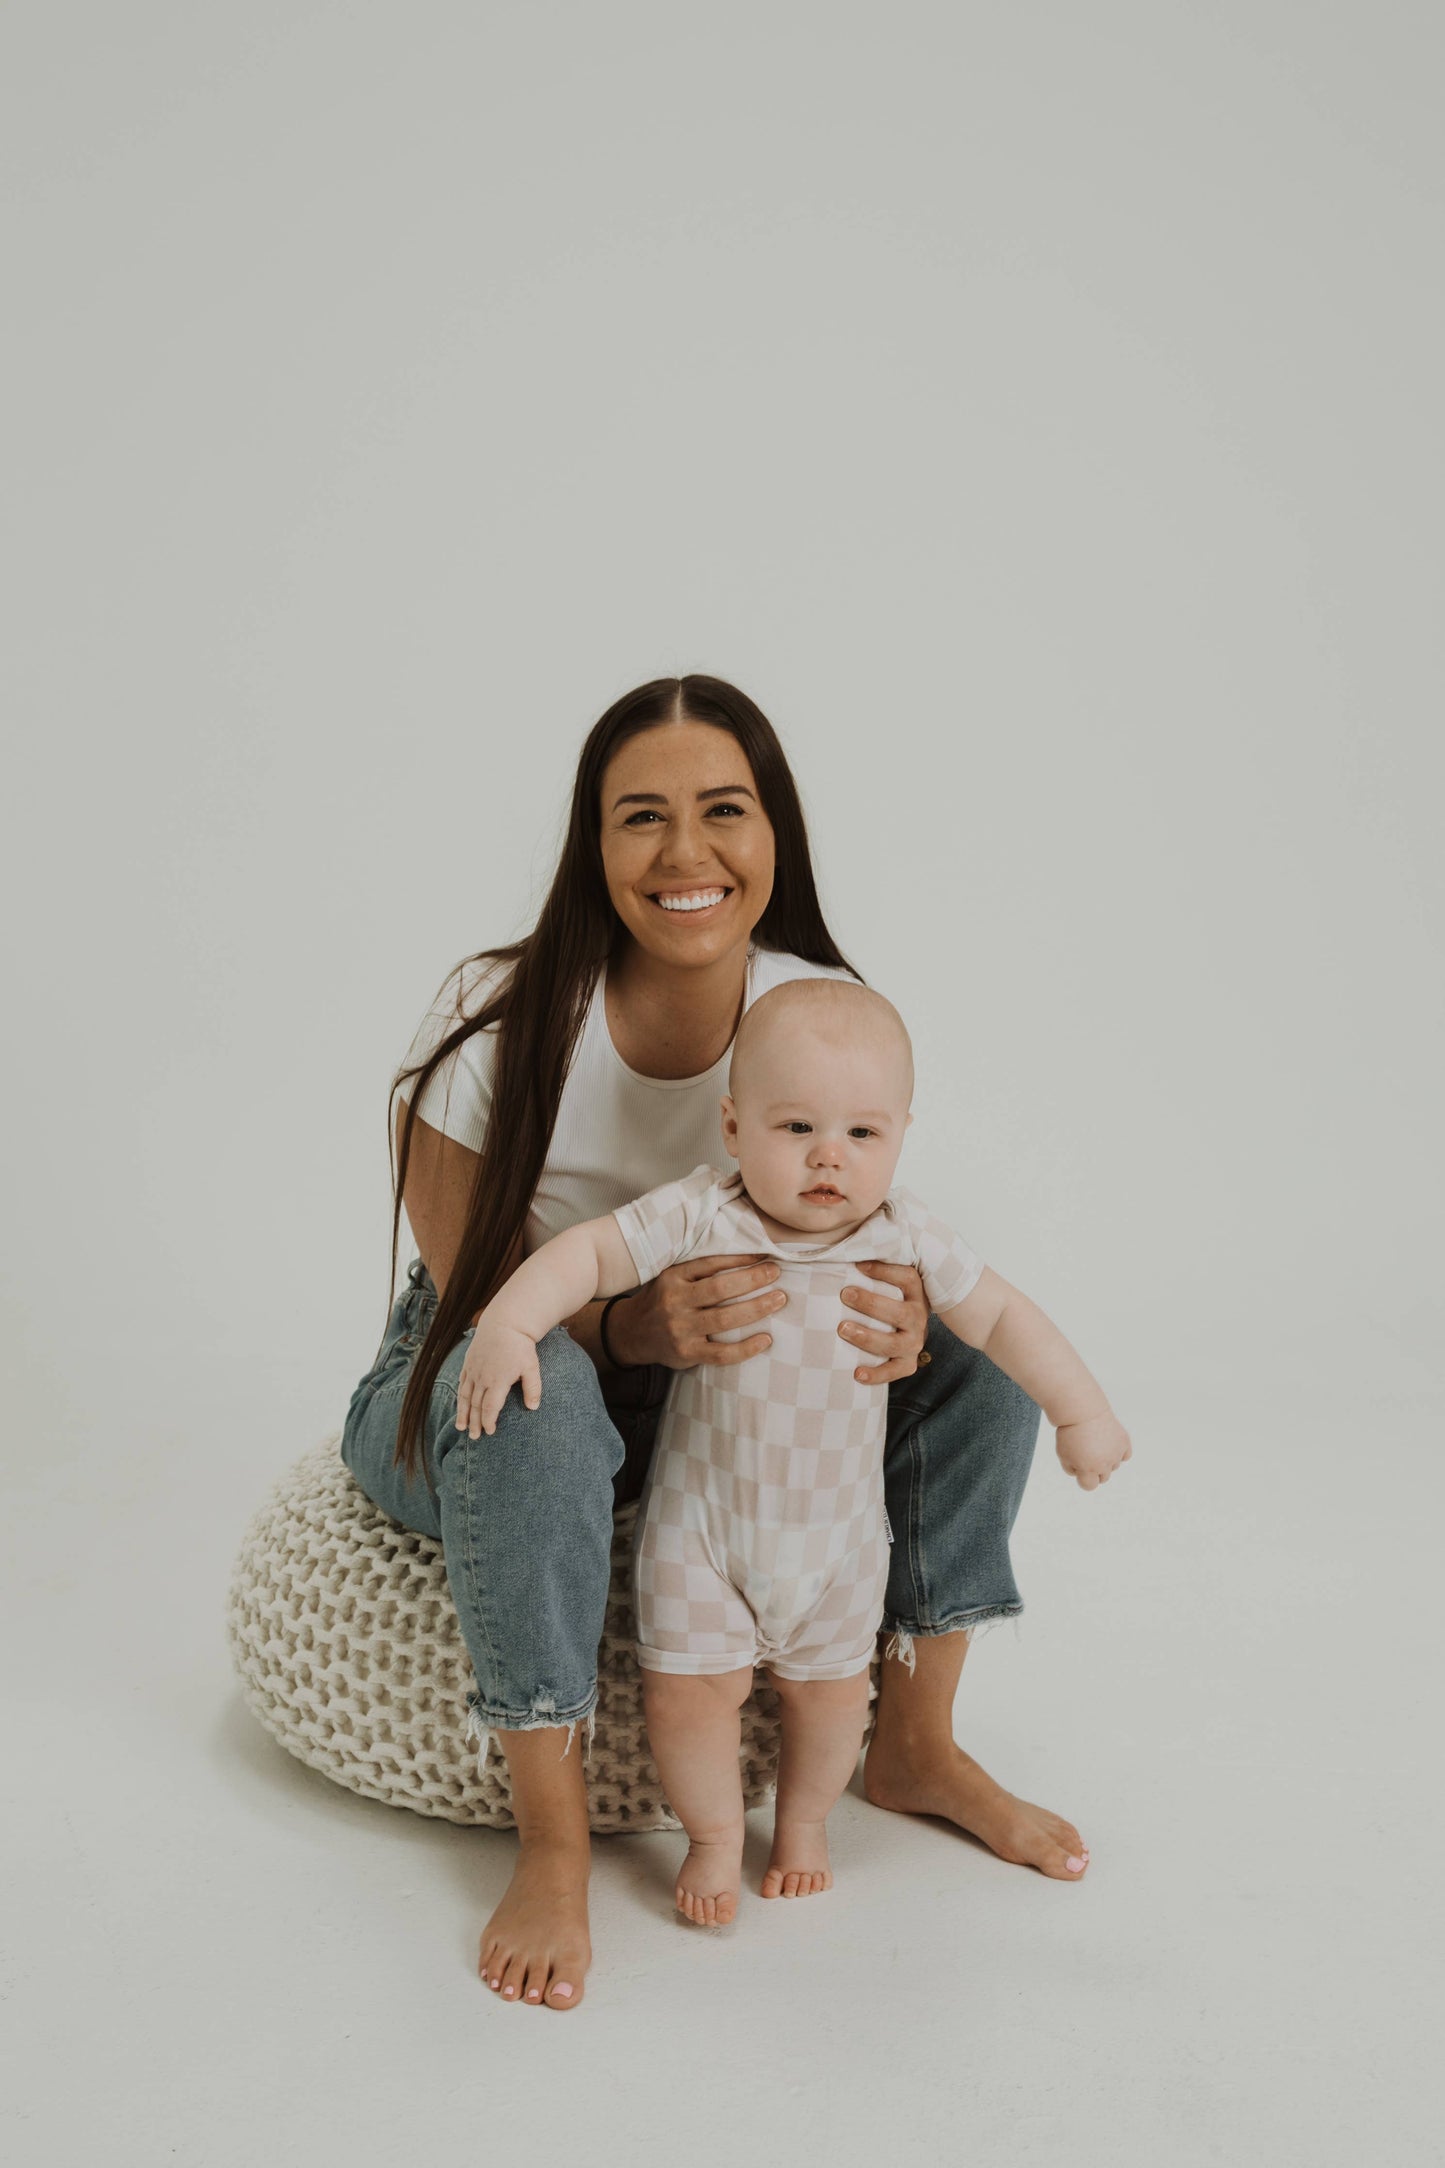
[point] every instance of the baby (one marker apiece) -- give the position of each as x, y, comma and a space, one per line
761, 1533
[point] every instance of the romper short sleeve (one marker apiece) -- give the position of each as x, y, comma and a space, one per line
458, 1096
667, 1223
950, 1269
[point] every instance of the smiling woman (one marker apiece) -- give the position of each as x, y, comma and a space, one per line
554, 1080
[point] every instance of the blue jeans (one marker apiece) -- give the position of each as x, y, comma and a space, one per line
525, 1517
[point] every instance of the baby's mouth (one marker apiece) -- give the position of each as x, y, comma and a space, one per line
823, 1194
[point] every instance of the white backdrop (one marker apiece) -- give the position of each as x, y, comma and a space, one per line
1036, 410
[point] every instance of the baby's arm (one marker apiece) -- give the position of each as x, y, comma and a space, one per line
575, 1267
1029, 1348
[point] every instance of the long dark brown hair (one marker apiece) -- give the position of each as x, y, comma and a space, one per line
540, 1005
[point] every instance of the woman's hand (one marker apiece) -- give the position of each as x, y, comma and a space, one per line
669, 1319
499, 1357
900, 1347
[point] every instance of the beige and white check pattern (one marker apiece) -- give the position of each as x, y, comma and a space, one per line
761, 1535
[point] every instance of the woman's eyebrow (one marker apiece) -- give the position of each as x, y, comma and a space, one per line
655, 797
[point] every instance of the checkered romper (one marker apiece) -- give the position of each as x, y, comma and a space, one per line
761, 1535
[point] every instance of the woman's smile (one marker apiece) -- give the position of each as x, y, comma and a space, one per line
704, 902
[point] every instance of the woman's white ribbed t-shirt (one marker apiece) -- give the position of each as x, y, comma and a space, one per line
617, 1134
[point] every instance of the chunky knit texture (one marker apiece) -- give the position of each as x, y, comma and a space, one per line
349, 1651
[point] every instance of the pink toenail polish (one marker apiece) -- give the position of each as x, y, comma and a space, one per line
532, 1994
561, 1988
509, 1991
1072, 1864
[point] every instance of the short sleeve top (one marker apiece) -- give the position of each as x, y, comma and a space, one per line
618, 1134
708, 1214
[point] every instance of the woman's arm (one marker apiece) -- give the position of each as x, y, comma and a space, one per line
439, 1177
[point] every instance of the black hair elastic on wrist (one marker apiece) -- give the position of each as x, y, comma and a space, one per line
612, 1361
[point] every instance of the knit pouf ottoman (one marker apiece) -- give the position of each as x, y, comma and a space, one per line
347, 1643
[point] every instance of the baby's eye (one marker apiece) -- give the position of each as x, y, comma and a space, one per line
796, 1126
859, 1131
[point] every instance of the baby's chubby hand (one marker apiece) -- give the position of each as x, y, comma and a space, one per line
1093, 1449
499, 1356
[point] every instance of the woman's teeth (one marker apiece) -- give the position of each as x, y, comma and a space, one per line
702, 901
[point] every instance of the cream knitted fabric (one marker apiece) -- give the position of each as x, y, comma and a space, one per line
349, 1651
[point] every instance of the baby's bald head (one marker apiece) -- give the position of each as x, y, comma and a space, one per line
805, 1019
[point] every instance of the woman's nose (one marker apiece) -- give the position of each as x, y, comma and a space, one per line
684, 848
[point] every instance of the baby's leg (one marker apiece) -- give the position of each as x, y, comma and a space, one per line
695, 1733
823, 1723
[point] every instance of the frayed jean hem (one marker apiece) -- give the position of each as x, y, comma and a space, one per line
901, 1638
544, 1715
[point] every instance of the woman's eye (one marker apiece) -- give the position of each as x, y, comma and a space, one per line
647, 813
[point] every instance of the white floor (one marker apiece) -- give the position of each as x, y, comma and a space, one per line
213, 1955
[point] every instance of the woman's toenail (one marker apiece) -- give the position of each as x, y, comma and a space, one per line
532, 1993
1071, 1863
561, 1988
509, 1991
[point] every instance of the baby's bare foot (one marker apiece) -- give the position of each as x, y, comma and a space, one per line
799, 1864
535, 1946
710, 1876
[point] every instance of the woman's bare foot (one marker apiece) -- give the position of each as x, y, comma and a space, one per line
710, 1876
951, 1783
535, 1946
799, 1863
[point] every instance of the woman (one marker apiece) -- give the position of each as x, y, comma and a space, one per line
554, 1079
